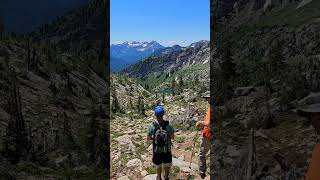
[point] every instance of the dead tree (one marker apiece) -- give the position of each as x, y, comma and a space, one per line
246, 167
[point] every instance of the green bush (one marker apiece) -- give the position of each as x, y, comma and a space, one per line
180, 139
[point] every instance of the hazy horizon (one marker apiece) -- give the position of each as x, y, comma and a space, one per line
121, 42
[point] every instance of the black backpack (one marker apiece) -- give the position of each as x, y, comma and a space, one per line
161, 139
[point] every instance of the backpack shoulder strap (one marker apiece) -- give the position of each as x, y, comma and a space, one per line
165, 125
155, 124
156, 127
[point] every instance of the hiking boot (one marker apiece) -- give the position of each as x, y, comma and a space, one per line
203, 175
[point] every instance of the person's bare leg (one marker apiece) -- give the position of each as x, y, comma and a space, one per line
159, 173
166, 172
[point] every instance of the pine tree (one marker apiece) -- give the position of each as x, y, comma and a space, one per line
115, 107
181, 82
29, 54
196, 81
142, 107
1, 27
138, 105
17, 143
173, 85
131, 104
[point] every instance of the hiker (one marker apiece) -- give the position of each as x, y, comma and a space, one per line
205, 140
312, 112
161, 133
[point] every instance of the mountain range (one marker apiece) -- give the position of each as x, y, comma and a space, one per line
191, 62
128, 53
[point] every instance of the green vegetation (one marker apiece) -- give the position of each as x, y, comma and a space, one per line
174, 172
151, 170
169, 84
180, 139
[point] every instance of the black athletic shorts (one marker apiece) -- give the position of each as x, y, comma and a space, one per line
162, 158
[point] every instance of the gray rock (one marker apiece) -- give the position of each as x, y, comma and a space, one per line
232, 151
183, 164
303, 3
123, 178
135, 163
150, 177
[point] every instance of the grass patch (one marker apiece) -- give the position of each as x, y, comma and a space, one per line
155, 81
141, 149
180, 139
115, 134
151, 170
174, 172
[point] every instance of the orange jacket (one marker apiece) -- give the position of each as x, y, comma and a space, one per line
314, 166
206, 129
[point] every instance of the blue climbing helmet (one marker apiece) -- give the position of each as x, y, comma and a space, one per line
158, 111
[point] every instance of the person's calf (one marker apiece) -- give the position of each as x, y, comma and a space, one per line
159, 173
203, 175
166, 173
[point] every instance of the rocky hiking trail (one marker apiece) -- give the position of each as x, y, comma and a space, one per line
132, 155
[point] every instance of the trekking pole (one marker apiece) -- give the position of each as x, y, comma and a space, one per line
194, 144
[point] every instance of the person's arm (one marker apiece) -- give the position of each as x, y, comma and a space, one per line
149, 133
172, 133
149, 138
204, 123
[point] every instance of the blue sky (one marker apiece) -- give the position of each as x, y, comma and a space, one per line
168, 22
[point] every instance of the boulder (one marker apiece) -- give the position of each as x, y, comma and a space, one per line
144, 173
123, 178
150, 177
125, 140
136, 163
243, 91
183, 164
